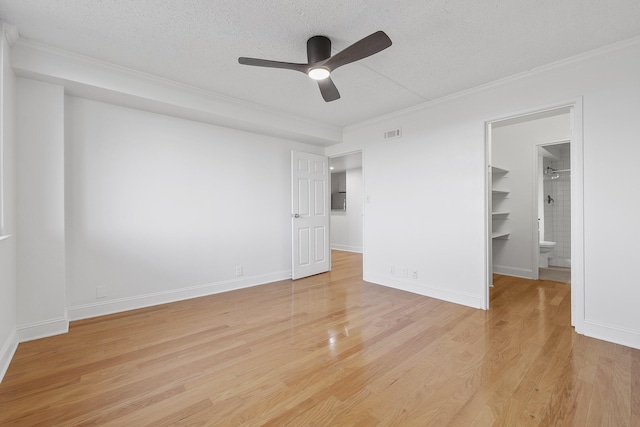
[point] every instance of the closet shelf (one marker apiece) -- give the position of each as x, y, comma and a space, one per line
498, 170
502, 193
500, 235
499, 213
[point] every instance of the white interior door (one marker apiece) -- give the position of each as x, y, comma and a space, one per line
309, 214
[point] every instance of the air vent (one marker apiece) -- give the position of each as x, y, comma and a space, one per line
394, 133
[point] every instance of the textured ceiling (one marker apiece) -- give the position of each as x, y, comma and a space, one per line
439, 46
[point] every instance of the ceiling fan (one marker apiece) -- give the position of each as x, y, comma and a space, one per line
320, 62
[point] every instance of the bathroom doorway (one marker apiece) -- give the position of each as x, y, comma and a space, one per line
553, 176
514, 176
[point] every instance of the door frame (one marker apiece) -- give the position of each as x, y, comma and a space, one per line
577, 204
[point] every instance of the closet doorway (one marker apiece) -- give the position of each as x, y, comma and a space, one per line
514, 175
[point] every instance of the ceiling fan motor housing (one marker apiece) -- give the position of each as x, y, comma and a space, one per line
318, 49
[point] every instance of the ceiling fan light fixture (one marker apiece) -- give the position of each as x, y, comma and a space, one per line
318, 73
320, 63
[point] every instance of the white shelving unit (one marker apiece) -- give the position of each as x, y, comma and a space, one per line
499, 203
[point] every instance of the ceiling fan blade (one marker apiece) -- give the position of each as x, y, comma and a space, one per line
328, 90
303, 68
368, 46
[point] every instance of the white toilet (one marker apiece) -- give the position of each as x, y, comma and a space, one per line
545, 252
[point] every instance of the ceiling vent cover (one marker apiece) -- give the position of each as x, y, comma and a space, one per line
394, 133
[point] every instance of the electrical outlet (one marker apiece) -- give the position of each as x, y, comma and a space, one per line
405, 272
414, 274
239, 271
392, 270
101, 291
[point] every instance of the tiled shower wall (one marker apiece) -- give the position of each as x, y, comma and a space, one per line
558, 213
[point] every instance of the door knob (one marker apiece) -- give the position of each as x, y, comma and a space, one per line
296, 215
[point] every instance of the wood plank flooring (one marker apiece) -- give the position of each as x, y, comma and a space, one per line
329, 350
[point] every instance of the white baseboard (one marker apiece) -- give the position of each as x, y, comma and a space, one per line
469, 300
43, 329
346, 248
102, 308
614, 334
525, 273
7, 351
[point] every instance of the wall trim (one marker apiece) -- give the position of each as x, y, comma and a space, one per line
462, 298
611, 333
102, 308
44, 329
7, 351
346, 248
525, 273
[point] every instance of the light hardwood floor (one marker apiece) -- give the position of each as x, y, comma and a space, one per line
329, 350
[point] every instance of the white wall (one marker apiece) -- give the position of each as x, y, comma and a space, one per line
346, 226
427, 190
40, 208
161, 208
8, 332
513, 149
421, 215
